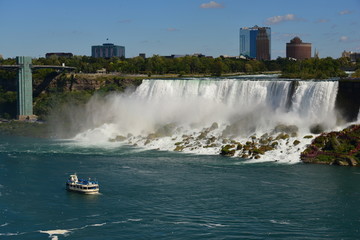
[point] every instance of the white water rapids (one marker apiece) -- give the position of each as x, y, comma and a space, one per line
202, 115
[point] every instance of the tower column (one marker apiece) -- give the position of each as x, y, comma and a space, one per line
24, 89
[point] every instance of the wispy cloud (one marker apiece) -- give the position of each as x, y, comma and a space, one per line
280, 19
212, 4
172, 29
344, 39
348, 39
345, 12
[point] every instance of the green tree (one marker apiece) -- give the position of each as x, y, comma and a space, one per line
218, 67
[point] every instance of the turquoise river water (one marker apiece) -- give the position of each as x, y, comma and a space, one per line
148, 194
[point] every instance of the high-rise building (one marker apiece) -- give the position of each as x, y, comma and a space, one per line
262, 45
107, 50
297, 49
255, 42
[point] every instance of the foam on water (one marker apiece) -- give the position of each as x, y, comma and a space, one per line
161, 114
53, 234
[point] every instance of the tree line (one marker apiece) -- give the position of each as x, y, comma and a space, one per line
187, 65
161, 65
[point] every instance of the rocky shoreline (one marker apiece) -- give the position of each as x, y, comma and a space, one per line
340, 148
335, 148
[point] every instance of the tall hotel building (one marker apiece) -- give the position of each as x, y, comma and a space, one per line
107, 50
298, 49
255, 42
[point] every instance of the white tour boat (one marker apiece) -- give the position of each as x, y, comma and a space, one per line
80, 185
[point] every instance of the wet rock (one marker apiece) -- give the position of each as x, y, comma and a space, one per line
244, 156
264, 140
351, 161
282, 136
341, 162
225, 141
210, 146
228, 150
211, 140
264, 136
317, 129
152, 136
288, 129
214, 126
179, 148
202, 135
118, 139
166, 130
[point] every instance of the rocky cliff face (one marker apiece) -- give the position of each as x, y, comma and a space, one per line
348, 100
83, 82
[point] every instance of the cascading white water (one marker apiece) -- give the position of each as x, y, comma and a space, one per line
315, 102
161, 112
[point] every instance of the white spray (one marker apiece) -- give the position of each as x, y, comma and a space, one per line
162, 113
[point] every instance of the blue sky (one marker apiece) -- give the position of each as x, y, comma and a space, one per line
165, 27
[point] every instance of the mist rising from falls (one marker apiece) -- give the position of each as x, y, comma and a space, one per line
201, 115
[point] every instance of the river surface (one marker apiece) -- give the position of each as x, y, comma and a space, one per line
149, 194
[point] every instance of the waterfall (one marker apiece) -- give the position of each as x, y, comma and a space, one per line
161, 112
311, 103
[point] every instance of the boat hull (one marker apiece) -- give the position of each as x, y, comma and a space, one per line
82, 189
